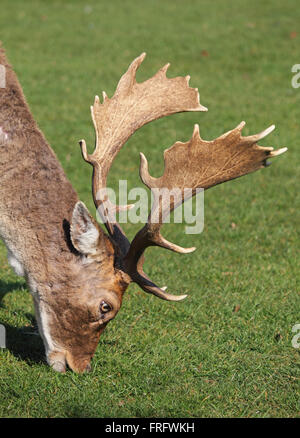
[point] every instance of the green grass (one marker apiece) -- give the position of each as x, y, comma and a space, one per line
198, 358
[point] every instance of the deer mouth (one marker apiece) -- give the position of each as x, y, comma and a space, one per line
78, 365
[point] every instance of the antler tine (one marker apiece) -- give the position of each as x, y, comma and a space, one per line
148, 286
138, 276
194, 164
116, 119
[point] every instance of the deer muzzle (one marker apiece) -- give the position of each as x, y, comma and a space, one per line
59, 361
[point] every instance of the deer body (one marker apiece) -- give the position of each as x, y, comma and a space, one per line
76, 273
36, 206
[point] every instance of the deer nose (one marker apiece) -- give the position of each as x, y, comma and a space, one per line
88, 368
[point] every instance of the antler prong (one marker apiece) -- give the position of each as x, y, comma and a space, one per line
237, 130
160, 293
84, 152
104, 95
241, 125
164, 243
164, 69
200, 107
278, 152
196, 132
148, 286
256, 137
144, 172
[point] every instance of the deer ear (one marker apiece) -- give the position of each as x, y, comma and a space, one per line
84, 230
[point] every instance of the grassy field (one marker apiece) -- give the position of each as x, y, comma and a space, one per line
226, 350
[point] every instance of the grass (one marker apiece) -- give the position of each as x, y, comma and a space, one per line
226, 350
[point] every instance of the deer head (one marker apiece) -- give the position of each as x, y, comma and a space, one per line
89, 289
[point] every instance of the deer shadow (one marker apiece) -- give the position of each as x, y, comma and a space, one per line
23, 342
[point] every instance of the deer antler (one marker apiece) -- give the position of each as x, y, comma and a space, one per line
117, 118
195, 164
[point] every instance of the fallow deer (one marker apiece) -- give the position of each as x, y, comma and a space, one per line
76, 272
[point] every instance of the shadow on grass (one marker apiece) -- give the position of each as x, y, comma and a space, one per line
23, 342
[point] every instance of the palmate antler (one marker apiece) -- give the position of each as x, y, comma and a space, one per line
195, 164
115, 120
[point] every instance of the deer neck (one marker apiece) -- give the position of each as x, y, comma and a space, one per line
36, 198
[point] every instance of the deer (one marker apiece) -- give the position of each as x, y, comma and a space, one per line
77, 271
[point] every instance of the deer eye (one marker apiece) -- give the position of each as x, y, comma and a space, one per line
105, 307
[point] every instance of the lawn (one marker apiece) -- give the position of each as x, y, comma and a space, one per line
226, 351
